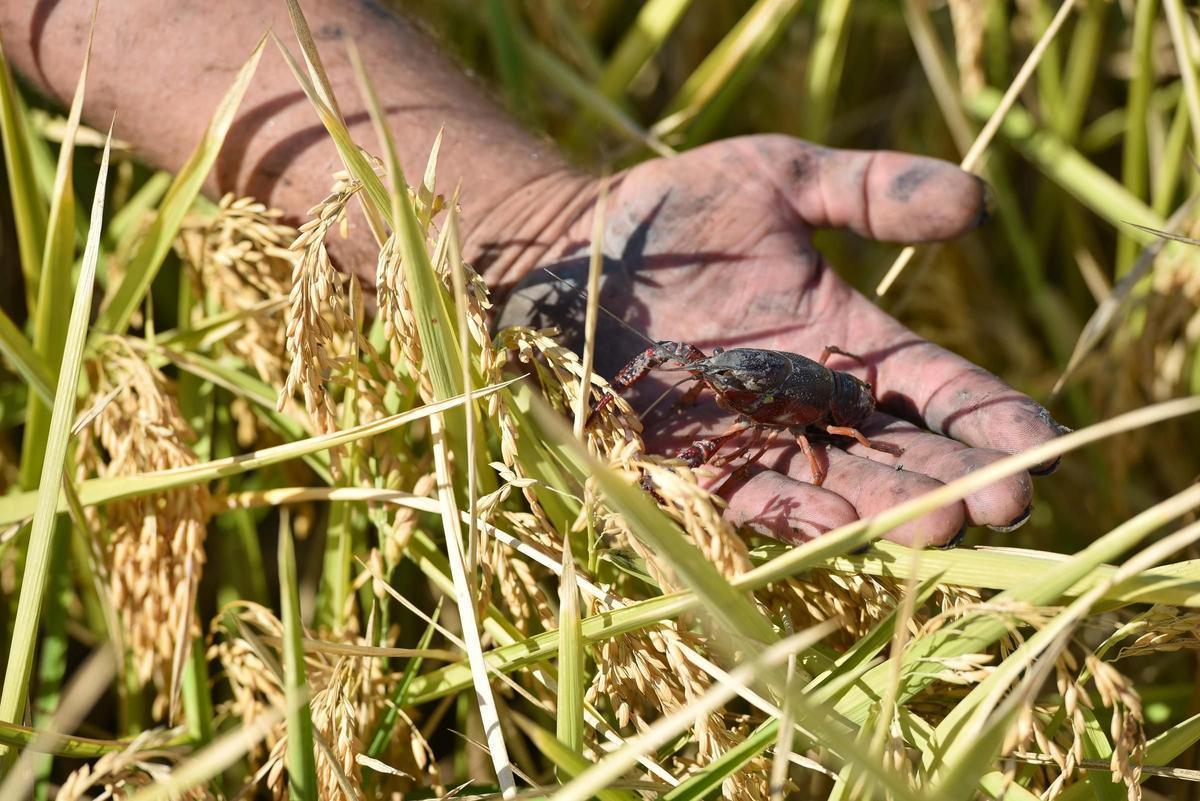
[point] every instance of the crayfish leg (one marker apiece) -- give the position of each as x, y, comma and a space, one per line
689, 397
882, 447
832, 349
756, 433
814, 465
703, 450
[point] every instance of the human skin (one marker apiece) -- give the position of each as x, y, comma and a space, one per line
712, 247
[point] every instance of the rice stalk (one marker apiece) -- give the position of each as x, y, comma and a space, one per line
54, 278
302, 775
316, 296
29, 608
240, 262
29, 208
153, 547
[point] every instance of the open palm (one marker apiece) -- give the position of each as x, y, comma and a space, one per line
714, 248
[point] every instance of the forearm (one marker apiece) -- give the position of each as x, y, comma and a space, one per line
163, 65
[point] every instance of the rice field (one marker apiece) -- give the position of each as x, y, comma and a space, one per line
256, 542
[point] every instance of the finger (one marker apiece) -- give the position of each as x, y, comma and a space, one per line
776, 506
920, 381
883, 195
872, 487
1004, 505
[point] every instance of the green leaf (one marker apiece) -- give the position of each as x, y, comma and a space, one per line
1064, 165
708, 779
33, 581
28, 203
568, 761
301, 756
726, 69
54, 293
571, 681
399, 697
24, 359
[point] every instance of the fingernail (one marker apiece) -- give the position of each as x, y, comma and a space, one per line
1049, 420
1016, 524
987, 202
954, 541
1045, 470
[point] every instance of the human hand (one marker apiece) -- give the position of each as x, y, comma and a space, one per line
714, 248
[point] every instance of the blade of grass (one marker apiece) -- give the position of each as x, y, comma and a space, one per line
1183, 37
54, 278
728, 65
781, 760
1097, 748
645, 37
52, 657
301, 756
571, 679
1087, 42
33, 581
28, 203
475, 546
568, 761
1003, 568
376, 203
509, 48
399, 697
1171, 166
24, 359
1064, 165
824, 72
708, 779
156, 243
197, 698
938, 72
1134, 161
70, 746
465, 600
595, 268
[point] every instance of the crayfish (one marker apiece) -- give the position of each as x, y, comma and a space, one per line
768, 389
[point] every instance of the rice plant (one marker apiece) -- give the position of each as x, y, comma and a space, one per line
258, 542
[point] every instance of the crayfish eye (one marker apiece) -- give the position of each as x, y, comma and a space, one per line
718, 351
